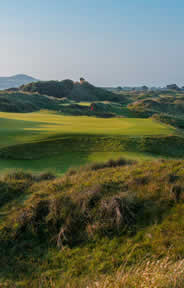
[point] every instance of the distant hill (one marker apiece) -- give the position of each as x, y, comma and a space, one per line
15, 81
77, 91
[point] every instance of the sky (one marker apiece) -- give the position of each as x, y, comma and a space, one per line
108, 42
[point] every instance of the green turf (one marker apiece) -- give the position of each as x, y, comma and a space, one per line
54, 123
19, 128
60, 164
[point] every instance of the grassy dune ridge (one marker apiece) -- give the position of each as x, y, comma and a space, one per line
81, 228
22, 102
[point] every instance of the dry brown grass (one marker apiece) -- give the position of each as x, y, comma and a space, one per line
149, 274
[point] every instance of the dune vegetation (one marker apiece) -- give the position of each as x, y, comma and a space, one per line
113, 224
86, 208
25, 102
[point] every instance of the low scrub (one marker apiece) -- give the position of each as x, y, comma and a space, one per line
170, 120
77, 91
20, 102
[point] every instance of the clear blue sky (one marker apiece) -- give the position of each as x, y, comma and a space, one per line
109, 42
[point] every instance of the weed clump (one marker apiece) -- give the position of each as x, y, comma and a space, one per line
46, 176
18, 175
111, 163
117, 214
176, 192
102, 165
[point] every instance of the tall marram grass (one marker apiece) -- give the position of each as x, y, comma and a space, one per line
149, 274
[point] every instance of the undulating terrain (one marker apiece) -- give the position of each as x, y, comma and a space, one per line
59, 124
49, 140
95, 197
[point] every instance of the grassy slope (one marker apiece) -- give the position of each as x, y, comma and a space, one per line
123, 214
25, 102
53, 132
73, 90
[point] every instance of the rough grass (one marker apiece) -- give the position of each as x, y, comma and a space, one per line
170, 120
79, 229
153, 274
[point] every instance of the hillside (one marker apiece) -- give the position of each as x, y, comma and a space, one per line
15, 81
173, 105
77, 91
82, 98
95, 225
25, 102
13, 100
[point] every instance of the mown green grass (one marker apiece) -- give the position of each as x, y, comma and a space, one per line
19, 128
61, 163
14, 131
